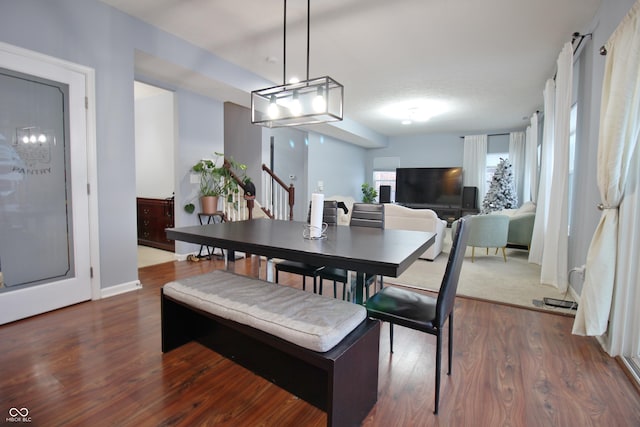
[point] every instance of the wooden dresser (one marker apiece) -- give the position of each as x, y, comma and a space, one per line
154, 215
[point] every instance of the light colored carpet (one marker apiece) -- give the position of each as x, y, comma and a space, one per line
152, 256
489, 278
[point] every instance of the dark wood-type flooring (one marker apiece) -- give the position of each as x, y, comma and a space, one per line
99, 364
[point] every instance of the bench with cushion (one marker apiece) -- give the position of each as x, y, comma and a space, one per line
321, 349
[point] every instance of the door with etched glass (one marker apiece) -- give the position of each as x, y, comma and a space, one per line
44, 233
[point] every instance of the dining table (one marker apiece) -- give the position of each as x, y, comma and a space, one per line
361, 250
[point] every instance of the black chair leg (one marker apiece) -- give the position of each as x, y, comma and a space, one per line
391, 337
304, 283
277, 275
335, 288
315, 289
450, 341
438, 367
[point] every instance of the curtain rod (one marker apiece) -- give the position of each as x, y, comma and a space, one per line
580, 37
497, 134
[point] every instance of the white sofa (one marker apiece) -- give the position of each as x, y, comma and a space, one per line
343, 218
403, 218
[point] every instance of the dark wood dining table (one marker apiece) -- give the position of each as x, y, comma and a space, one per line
358, 249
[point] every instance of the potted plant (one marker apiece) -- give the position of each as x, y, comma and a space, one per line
369, 193
216, 180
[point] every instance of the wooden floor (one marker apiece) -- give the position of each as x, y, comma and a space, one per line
99, 364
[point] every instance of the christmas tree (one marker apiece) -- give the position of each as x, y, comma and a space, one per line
501, 194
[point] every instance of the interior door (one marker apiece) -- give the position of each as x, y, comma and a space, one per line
44, 209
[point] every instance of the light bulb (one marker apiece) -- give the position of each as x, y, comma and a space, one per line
295, 107
32, 139
319, 103
273, 108
42, 138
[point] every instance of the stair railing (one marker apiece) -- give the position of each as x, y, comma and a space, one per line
277, 197
237, 206
276, 202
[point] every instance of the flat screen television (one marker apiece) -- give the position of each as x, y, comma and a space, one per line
429, 186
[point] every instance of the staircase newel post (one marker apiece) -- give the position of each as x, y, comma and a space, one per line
292, 197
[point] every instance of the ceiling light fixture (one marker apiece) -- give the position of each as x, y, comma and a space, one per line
416, 110
310, 101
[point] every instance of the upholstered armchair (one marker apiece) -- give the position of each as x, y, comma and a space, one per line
486, 231
521, 229
520, 225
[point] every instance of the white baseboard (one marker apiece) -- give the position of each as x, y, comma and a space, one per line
120, 289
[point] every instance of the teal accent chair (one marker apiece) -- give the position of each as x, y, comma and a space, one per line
521, 230
486, 231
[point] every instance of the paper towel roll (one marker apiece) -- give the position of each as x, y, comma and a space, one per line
317, 208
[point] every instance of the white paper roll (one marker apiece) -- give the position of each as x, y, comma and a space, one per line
317, 208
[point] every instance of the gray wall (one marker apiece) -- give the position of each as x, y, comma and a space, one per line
435, 150
339, 166
585, 214
200, 135
92, 34
154, 142
89, 33
242, 140
290, 156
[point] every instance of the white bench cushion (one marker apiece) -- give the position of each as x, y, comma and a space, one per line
308, 320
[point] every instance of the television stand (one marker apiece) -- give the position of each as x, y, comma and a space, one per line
448, 214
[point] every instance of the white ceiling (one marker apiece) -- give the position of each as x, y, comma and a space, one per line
487, 60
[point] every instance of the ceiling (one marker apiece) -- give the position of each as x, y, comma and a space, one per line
485, 61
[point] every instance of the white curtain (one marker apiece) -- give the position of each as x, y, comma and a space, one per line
530, 179
517, 150
612, 259
546, 168
474, 163
554, 269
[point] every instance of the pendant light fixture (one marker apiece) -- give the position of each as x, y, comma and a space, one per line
311, 101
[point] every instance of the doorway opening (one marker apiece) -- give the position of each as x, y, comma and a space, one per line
155, 175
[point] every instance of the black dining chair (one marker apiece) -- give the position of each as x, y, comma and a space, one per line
362, 215
423, 312
330, 217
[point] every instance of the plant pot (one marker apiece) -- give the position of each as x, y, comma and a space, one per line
209, 204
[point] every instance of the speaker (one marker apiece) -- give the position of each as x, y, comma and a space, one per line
469, 197
385, 194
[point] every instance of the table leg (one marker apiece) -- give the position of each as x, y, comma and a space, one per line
359, 287
229, 259
269, 273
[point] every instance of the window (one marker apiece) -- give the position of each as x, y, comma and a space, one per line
572, 156
492, 163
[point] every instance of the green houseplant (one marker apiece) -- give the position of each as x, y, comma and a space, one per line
216, 180
369, 193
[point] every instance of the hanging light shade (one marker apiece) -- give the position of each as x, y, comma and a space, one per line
311, 101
